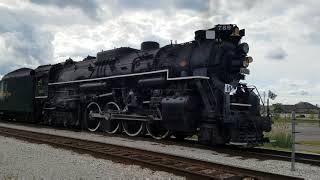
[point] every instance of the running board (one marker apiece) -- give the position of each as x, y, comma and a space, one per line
238, 144
240, 104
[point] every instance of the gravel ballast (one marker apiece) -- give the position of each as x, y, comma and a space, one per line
274, 166
23, 160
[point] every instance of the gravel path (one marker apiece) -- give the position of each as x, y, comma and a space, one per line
22, 160
275, 166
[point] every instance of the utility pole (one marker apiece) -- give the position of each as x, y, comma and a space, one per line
293, 143
268, 110
264, 101
318, 114
319, 117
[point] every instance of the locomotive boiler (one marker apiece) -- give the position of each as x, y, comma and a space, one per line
177, 90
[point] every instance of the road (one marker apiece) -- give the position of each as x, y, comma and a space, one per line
308, 132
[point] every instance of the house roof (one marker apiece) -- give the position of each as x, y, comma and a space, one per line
301, 107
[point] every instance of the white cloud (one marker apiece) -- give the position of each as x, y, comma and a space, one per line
90, 8
293, 91
277, 53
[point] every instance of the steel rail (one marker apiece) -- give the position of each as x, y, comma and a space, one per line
307, 158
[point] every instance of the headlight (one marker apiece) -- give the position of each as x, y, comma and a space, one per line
245, 64
247, 61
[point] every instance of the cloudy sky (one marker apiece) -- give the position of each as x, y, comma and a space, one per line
283, 35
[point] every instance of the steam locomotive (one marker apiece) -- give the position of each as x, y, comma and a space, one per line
177, 90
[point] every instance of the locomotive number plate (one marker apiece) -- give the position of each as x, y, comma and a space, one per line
224, 27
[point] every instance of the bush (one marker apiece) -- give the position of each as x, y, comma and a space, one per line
312, 116
276, 117
282, 140
280, 135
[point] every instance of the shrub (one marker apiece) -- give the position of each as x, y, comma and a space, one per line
312, 116
280, 135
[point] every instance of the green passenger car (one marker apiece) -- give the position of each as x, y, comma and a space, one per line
17, 95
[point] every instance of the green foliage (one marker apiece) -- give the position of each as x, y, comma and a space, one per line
282, 140
277, 108
311, 143
10, 177
276, 117
312, 116
280, 135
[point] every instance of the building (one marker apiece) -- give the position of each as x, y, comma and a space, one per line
302, 109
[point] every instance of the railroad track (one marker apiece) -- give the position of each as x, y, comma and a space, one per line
261, 153
190, 168
312, 159
258, 153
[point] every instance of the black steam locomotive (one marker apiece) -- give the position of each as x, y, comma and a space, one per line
179, 89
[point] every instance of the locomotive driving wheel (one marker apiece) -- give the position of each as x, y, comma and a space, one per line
113, 126
133, 128
92, 122
154, 127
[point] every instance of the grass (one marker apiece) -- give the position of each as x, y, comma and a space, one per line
270, 146
311, 143
280, 135
10, 177
316, 152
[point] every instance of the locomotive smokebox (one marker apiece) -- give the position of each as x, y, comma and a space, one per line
149, 45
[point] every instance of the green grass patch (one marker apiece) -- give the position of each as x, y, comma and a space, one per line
280, 135
311, 143
271, 146
10, 177
280, 140
316, 152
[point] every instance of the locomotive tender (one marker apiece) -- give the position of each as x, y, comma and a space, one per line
179, 89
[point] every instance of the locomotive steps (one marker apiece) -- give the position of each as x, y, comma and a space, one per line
189, 167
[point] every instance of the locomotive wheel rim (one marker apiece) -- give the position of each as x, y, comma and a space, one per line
98, 125
116, 129
151, 129
124, 123
158, 137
